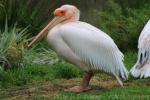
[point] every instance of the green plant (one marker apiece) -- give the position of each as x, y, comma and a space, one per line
46, 56
26, 12
12, 46
123, 25
14, 52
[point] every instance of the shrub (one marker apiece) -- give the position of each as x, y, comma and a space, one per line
124, 28
26, 12
14, 52
12, 46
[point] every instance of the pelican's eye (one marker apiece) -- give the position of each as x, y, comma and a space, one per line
62, 12
59, 12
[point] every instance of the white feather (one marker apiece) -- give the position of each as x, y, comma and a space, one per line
141, 68
94, 47
144, 38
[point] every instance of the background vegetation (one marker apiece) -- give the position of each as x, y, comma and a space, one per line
119, 18
21, 68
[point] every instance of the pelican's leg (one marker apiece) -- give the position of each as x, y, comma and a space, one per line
84, 84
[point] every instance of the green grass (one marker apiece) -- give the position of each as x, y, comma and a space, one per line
127, 93
46, 82
31, 73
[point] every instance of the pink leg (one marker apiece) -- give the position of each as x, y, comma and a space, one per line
84, 84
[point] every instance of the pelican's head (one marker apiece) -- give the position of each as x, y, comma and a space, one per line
61, 14
68, 12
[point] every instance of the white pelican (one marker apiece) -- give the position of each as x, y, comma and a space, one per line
142, 67
83, 45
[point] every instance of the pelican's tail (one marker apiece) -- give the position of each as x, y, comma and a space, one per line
123, 74
122, 71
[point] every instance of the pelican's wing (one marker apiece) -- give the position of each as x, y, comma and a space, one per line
143, 53
94, 47
144, 44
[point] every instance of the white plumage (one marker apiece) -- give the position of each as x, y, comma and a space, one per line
83, 45
94, 48
142, 67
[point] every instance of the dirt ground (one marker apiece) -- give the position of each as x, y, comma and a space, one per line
50, 89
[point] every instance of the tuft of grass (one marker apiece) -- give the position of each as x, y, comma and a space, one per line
14, 52
45, 56
12, 46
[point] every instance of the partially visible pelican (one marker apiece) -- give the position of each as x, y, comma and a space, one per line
83, 45
142, 67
